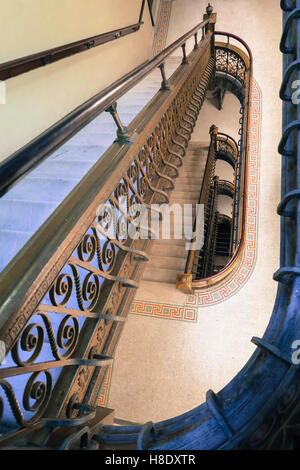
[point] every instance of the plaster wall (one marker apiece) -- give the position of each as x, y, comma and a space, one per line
38, 99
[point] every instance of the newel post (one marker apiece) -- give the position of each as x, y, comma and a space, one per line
184, 282
213, 131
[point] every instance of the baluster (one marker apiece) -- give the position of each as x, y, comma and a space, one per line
184, 60
123, 136
196, 41
164, 83
227, 59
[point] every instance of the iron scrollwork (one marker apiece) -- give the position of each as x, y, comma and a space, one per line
231, 63
64, 347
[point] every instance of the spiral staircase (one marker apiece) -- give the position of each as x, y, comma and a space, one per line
67, 283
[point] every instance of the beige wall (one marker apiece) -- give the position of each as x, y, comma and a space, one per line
225, 205
36, 100
224, 171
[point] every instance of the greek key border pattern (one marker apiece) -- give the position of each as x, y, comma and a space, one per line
232, 285
163, 21
167, 311
189, 311
104, 392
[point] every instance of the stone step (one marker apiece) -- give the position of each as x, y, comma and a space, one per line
187, 183
168, 250
181, 195
195, 170
162, 262
195, 158
197, 162
185, 186
191, 173
160, 275
173, 243
186, 200
171, 235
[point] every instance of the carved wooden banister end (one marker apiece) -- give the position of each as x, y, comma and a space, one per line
214, 130
184, 282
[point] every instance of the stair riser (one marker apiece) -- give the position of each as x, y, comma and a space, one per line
167, 263
160, 275
169, 251
185, 187
192, 173
28, 204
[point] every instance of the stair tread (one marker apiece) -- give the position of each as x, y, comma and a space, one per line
26, 206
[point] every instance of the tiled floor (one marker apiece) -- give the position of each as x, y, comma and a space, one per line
164, 366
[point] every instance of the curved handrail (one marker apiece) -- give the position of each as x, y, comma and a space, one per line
285, 6
230, 142
184, 280
259, 408
240, 40
291, 68
22, 161
226, 188
291, 17
234, 262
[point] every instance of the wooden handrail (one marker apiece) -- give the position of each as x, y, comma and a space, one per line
16, 67
22, 161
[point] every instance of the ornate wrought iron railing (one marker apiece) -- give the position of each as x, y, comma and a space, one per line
260, 408
64, 298
226, 188
223, 238
208, 196
205, 264
200, 264
234, 68
228, 150
230, 62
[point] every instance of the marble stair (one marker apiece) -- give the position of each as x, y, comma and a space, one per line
168, 257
